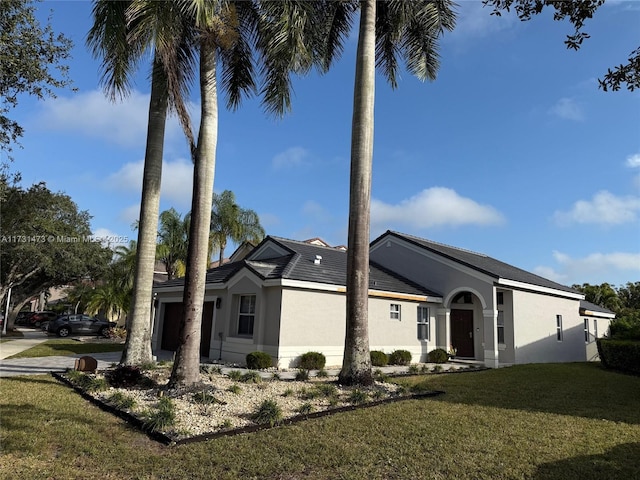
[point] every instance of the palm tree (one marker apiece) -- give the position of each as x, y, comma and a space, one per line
387, 29
230, 31
172, 241
230, 221
111, 39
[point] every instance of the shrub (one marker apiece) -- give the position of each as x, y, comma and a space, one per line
124, 376
234, 375
302, 375
413, 369
312, 361
268, 412
121, 401
305, 408
116, 332
439, 355
251, 377
379, 359
400, 357
162, 418
327, 390
322, 373
623, 355
206, 398
235, 388
259, 361
288, 392
358, 397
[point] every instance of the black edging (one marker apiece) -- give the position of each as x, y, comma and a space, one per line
171, 441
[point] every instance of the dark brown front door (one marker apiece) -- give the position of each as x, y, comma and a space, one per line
171, 327
462, 332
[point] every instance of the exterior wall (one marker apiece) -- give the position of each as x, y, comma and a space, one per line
535, 329
603, 331
506, 350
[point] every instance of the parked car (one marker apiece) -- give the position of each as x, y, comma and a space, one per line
79, 324
21, 318
38, 318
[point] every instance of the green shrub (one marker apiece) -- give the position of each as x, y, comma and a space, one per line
625, 328
379, 359
623, 355
358, 397
259, 361
288, 392
235, 388
163, 417
322, 373
121, 401
234, 375
312, 361
268, 412
400, 357
124, 376
251, 377
305, 408
439, 355
413, 369
206, 398
302, 375
327, 390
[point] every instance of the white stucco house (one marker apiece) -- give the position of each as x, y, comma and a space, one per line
287, 297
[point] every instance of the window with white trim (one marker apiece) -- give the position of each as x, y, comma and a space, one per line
559, 328
423, 323
586, 330
394, 311
595, 328
246, 314
501, 327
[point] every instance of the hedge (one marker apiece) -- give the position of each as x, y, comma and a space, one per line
378, 358
259, 360
312, 361
623, 355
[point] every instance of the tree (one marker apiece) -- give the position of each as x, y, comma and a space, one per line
230, 31
577, 11
46, 242
172, 241
31, 62
387, 29
230, 221
120, 35
604, 295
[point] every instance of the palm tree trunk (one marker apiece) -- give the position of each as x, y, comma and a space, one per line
137, 349
186, 368
356, 365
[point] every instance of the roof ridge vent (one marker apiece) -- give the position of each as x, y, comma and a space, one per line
317, 260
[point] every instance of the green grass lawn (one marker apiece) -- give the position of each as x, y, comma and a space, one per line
571, 421
67, 346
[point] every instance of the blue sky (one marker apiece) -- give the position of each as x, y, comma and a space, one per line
513, 151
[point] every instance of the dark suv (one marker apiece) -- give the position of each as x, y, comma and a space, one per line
79, 324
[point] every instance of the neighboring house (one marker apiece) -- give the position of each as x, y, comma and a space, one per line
288, 297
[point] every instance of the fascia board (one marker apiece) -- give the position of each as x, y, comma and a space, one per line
537, 288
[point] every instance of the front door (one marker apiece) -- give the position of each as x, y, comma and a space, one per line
462, 332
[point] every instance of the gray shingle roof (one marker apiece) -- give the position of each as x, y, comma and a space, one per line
480, 262
584, 305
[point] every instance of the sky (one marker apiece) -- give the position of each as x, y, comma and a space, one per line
512, 151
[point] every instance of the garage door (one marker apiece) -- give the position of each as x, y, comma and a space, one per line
171, 327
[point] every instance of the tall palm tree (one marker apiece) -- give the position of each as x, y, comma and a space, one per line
172, 241
230, 33
230, 221
387, 29
111, 39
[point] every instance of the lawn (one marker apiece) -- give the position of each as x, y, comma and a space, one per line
572, 421
68, 346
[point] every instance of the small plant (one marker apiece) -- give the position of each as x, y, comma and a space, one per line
334, 401
381, 377
378, 394
402, 390
206, 398
268, 413
163, 417
413, 369
312, 361
95, 384
210, 369
377, 372
305, 408
275, 376
116, 333
288, 392
439, 355
379, 359
235, 388
424, 369
251, 377
234, 375
308, 394
259, 361
302, 375
421, 387
226, 425
437, 369
400, 357
121, 401
327, 390
322, 373
124, 376
358, 397
148, 366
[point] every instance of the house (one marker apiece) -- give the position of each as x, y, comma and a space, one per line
287, 297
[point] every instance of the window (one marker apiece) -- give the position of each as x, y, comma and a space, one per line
559, 327
246, 314
501, 327
394, 312
423, 323
586, 330
500, 298
595, 328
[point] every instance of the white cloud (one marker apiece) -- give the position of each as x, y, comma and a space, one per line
633, 161
436, 206
568, 109
594, 268
292, 157
92, 114
111, 239
474, 21
316, 212
176, 186
130, 214
604, 209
